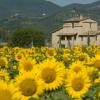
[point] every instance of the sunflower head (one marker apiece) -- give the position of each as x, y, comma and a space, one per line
66, 57
83, 57
3, 61
19, 56
7, 91
96, 62
77, 85
49, 76
51, 52
4, 75
30, 89
28, 86
27, 65
77, 66
52, 73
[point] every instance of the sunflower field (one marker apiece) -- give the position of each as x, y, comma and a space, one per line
50, 74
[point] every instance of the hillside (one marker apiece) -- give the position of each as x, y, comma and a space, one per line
90, 10
27, 8
30, 12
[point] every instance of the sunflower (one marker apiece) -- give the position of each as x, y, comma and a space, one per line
6, 91
52, 73
4, 75
66, 50
77, 85
83, 57
96, 62
77, 66
97, 81
92, 48
51, 52
3, 62
66, 57
19, 56
26, 65
28, 86
77, 49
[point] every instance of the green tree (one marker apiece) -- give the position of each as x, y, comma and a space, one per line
38, 38
3, 34
22, 37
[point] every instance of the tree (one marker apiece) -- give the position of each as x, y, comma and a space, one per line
3, 34
22, 37
25, 37
38, 38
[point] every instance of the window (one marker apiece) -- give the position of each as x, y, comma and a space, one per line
74, 37
69, 38
82, 38
62, 37
96, 37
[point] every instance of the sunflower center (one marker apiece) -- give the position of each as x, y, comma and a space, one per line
19, 56
82, 58
97, 64
28, 87
2, 62
51, 52
77, 69
77, 84
28, 66
5, 95
48, 75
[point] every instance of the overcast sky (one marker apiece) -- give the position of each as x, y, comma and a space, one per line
66, 2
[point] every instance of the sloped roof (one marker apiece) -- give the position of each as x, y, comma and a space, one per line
58, 29
75, 19
88, 21
78, 19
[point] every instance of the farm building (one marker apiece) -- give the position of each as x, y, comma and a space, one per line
76, 31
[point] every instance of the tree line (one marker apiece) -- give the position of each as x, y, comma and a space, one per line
24, 37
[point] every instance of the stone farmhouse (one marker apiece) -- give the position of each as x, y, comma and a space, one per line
76, 31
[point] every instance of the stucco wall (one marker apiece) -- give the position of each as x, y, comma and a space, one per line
55, 39
98, 38
79, 28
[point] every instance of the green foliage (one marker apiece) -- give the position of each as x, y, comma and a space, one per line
26, 37
38, 38
21, 37
93, 93
59, 94
33, 99
28, 17
26, 8
3, 34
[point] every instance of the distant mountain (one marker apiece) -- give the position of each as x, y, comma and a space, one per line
89, 10
43, 14
55, 21
27, 8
